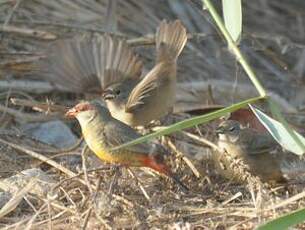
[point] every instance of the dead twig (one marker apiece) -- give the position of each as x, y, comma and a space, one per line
40, 157
40, 106
139, 184
123, 200
149, 39
88, 214
87, 217
84, 155
202, 140
80, 174
184, 158
6, 105
30, 86
16, 199
69, 26
24, 60
27, 116
34, 33
10, 15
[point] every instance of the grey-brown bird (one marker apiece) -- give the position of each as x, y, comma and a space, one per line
258, 151
102, 132
154, 96
104, 63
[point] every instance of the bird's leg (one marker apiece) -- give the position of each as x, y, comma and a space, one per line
98, 184
116, 169
87, 217
84, 155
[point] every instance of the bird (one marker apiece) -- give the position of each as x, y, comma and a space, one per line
259, 152
138, 103
102, 133
107, 67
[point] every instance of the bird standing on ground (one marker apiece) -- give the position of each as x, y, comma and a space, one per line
102, 132
258, 151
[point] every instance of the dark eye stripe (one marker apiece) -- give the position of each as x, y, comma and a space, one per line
232, 128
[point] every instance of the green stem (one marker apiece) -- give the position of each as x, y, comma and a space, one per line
239, 56
242, 60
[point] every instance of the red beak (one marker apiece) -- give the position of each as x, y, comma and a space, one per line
71, 113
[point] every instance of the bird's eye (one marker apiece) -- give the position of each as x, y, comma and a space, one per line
232, 129
117, 92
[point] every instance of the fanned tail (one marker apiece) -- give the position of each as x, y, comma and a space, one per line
170, 40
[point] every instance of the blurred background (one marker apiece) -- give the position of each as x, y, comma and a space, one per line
272, 39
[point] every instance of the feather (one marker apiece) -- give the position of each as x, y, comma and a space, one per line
89, 63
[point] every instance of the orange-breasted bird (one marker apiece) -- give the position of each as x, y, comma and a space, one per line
102, 132
106, 65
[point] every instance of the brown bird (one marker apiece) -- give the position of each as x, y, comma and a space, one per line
154, 96
107, 64
258, 151
102, 132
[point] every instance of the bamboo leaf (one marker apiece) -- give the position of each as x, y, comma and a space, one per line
190, 122
286, 221
232, 13
280, 133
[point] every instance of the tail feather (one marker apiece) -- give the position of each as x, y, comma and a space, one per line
89, 63
170, 40
164, 169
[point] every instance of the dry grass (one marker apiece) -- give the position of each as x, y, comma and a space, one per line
89, 199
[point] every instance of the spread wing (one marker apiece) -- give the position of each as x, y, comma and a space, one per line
117, 62
69, 64
147, 87
86, 62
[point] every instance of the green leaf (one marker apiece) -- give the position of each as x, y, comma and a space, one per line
280, 133
232, 13
190, 122
284, 222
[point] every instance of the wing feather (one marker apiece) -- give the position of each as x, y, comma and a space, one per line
146, 87
83, 63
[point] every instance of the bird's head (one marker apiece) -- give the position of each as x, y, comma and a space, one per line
87, 111
229, 130
116, 95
